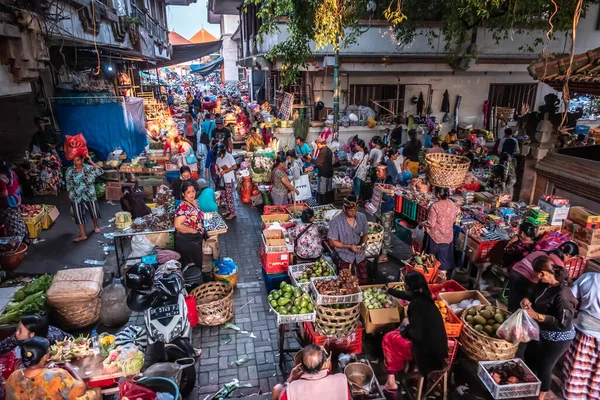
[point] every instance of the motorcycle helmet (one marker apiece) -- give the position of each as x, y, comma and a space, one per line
171, 284
139, 301
139, 277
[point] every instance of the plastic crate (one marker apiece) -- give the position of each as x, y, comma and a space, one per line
482, 250
409, 209
295, 271
452, 350
114, 191
514, 391
582, 130
398, 206
352, 343
272, 281
34, 227
404, 230
268, 210
576, 267
283, 319
430, 275
448, 287
422, 212
325, 299
453, 324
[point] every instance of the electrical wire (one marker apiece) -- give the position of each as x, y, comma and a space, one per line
94, 35
565, 89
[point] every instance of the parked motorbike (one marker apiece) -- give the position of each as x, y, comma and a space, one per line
160, 295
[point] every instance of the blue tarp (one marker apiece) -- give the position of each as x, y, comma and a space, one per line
194, 67
208, 68
107, 126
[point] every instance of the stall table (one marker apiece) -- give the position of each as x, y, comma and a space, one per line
90, 369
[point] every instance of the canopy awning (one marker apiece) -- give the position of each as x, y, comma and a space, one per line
188, 52
208, 68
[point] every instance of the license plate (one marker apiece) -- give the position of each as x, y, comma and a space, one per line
164, 312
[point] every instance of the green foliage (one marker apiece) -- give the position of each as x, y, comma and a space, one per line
301, 127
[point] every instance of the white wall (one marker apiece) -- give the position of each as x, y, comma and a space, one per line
229, 51
229, 24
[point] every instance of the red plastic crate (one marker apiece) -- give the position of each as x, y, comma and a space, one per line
398, 207
576, 267
274, 263
268, 210
452, 349
350, 344
448, 286
114, 192
422, 212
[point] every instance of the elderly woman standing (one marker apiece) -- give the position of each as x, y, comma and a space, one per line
10, 200
439, 226
308, 237
80, 179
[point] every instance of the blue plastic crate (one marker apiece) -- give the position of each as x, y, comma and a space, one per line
272, 281
582, 130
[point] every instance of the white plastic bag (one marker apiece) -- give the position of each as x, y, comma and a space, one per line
140, 246
519, 328
303, 186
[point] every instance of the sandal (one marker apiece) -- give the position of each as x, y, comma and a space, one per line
96, 230
80, 239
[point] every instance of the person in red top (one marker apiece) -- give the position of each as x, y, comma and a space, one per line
439, 226
10, 200
189, 226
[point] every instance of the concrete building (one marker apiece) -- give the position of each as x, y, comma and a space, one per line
228, 19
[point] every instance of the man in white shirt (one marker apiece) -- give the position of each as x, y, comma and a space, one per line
226, 166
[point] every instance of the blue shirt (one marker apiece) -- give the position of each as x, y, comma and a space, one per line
387, 202
427, 141
207, 127
206, 200
302, 151
210, 160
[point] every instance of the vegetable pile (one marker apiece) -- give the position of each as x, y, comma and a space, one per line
485, 321
375, 298
345, 284
290, 300
30, 299
510, 373
443, 309
424, 262
318, 269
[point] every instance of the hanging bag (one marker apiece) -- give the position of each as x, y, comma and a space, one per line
352, 170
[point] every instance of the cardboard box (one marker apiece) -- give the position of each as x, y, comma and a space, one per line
50, 216
585, 217
457, 297
273, 234
557, 213
568, 227
587, 236
272, 218
587, 250
274, 263
541, 230
381, 319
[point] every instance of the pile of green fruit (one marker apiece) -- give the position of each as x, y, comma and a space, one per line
290, 300
318, 269
377, 298
485, 321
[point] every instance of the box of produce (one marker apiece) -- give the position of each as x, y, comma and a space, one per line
291, 305
379, 311
452, 323
585, 217
460, 301
301, 274
321, 212
51, 214
274, 263
446, 287
423, 263
557, 213
295, 210
509, 379
336, 290
32, 213
268, 210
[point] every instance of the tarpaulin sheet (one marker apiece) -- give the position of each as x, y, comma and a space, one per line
107, 126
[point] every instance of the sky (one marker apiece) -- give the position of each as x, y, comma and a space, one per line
187, 20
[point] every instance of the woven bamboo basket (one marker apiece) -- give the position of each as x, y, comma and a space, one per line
75, 297
214, 302
374, 240
337, 321
446, 170
479, 347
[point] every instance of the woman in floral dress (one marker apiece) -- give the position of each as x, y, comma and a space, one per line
80, 179
308, 237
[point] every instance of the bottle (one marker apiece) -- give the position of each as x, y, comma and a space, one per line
95, 345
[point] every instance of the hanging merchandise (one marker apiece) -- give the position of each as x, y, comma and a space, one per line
445, 103
429, 101
456, 108
420, 105
486, 107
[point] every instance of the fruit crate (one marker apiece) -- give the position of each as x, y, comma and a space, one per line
292, 209
446, 287
326, 299
422, 212
452, 350
431, 273
482, 249
295, 271
514, 391
283, 319
352, 343
272, 281
576, 267
409, 209
404, 230
453, 324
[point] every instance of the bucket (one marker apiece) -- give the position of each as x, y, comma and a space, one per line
13, 259
162, 385
360, 376
231, 278
168, 370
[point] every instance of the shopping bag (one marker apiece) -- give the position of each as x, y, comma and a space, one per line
303, 186
75, 146
519, 328
191, 159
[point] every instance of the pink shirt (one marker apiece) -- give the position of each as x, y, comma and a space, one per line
318, 386
442, 216
525, 266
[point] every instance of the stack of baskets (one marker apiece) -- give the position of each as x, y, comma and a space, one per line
337, 319
75, 296
480, 347
214, 303
446, 170
374, 240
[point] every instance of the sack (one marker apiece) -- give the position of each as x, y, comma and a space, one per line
112, 312
519, 328
191, 159
303, 186
75, 146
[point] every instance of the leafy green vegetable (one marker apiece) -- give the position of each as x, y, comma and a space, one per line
32, 304
40, 284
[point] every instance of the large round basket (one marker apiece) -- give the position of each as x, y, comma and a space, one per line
214, 302
334, 320
374, 240
446, 170
479, 347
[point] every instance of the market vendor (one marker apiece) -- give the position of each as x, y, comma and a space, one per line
581, 379
385, 216
311, 379
422, 335
37, 381
282, 186
189, 227
451, 137
45, 139
509, 144
324, 162
392, 166
522, 278
467, 151
133, 202
308, 237
303, 150
440, 227
411, 152
254, 141
552, 305
80, 179
435, 146
225, 166
520, 245
185, 175
221, 135
360, 162
10, 200
347, 235
30, 326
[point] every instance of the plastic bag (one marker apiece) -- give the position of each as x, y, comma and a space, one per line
75, 146
140, 246
112, 312
519, 328
132, 391
418, 234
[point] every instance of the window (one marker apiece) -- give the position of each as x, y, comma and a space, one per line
521, 97
390, 97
